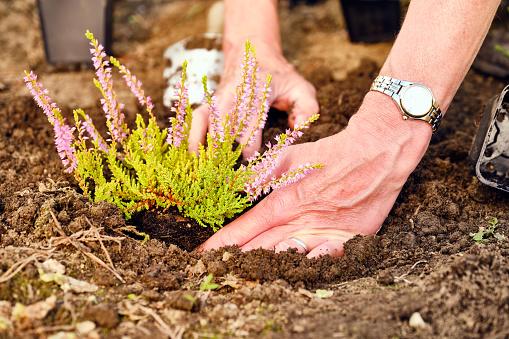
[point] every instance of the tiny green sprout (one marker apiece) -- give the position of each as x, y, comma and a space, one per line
206, 285
146, 238
132, 296
490, 232
502, 50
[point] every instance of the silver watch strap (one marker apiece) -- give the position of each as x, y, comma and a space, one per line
392, 88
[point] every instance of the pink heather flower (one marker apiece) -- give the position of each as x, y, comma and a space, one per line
263, 165
94, 134
287, 178
64, 139
117, 127
135, 87
262, 113
176, 131
215, 117
246, 97
146, 147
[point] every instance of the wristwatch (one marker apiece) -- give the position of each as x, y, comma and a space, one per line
414, 99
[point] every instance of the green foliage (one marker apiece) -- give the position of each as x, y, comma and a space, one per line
490, 232
144, 171
151, 167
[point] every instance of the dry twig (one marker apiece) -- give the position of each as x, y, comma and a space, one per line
18, 266
402, 277
161, 325
76, 243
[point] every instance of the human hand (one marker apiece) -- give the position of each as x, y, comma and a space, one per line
364, 168
290, 91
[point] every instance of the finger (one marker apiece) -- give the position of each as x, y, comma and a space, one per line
250, 150
302, 101
334, 248
199, 127
313, 240
269, 213
302, 110
291, 243
255, 146
312, 236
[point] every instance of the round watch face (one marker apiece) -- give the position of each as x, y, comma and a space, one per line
417, 100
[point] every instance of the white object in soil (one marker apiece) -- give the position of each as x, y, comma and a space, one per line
200, 62
416, 321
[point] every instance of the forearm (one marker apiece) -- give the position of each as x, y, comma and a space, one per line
256, 21
436, 46
438, 42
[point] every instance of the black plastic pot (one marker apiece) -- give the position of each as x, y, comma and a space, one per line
64, 23
372, 20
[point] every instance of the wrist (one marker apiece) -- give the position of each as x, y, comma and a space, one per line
253, 20
381, 126
268, 54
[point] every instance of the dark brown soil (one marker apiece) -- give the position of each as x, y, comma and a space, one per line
422, 262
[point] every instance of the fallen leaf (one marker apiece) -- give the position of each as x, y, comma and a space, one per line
68, 283
306, 293
324, 293
53, 266
232, 284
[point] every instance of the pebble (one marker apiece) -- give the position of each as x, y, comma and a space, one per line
416, 321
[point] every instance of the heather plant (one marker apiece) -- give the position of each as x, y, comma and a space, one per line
149, 167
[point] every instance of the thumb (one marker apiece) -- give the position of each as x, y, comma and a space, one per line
249, 225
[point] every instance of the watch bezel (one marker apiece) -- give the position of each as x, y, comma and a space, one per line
406, 111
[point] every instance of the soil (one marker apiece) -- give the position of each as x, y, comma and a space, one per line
421, 276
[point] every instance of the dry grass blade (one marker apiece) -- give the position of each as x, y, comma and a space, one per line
162, 326
402, 277
95, 230
18, 266
85, 252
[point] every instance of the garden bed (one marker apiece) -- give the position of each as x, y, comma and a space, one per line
423, 261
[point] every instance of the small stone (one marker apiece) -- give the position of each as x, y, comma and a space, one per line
385, 278
103, 315
63, 335
416, 321
85, 327
298, 328
226, 256
53, 266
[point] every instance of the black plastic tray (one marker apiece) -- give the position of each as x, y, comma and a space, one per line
490, 150
372, 20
